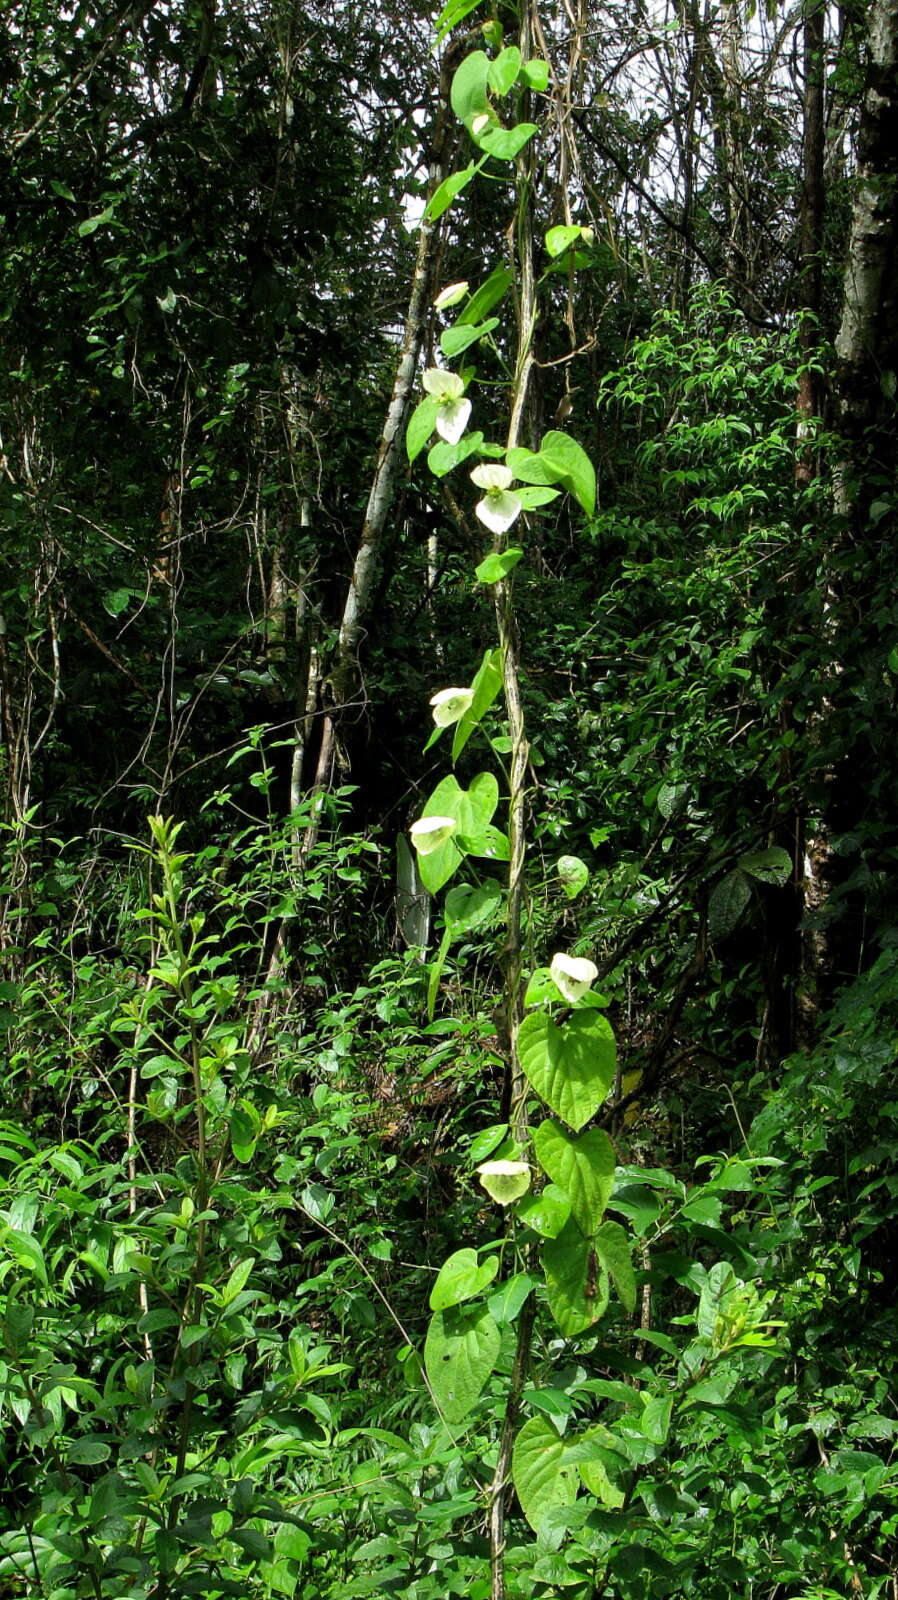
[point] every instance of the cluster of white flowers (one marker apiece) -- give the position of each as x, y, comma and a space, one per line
500, 506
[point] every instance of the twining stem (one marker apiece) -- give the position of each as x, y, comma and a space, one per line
520, 754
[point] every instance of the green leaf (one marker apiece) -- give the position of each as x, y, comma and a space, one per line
497, 565
571, 1067
503, 72
543, 1478
535, 74
25, 1251
558, 239
421, 424
582, 1165
768, 866
508, 1299
88, 1452
443, 196
726, 903
485, 688
532, 498
488, 295
467, 95
471, 809
573, 465
655, 1419
459, 1354
531, 467
245, 1127
505, 143
452, 14
486, 1141
599, 1464
573, 873
91, 224
457, 338
460, 1278
468, 907
236, 1281
547, 1212
613, 1249
17, 1324
443, 456
576, 1285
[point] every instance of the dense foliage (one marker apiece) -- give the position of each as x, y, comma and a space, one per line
456, 1155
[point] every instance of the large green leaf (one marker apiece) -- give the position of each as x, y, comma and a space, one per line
485, 689
726, 903
468, 907
576, 1283
603, 1468
457, 338
582, 1165
498, 564
547, 1212
472, 810
503, 72
486, 296
613, 1250
530, 467
443, 196
768, 866
543, 1477
459, 1354
467, 95
443, 457
505, 143
571, 1067
573, 466
460, 1278
421, 424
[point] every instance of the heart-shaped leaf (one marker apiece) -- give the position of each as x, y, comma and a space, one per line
571, 1067
485, 689
547, 1212
573, 466
613, 1250
459, 1354
460, 1278
582, 1165
542, 1476
576, 1283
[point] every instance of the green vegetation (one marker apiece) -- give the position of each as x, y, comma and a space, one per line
449, 1005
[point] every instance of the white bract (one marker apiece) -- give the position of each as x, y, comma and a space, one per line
428, 833
450, 705
447, 388
499, 508
451, 295
573, 976
505, 1181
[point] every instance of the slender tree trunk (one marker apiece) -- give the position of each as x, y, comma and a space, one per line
812, 204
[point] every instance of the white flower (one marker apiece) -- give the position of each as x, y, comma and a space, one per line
451, 295
450, 705
481, 122
428, 833
447, 388
452, 419
573, 976
505, 1181
499, 509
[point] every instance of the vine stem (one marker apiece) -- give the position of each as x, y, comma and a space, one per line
506, 625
